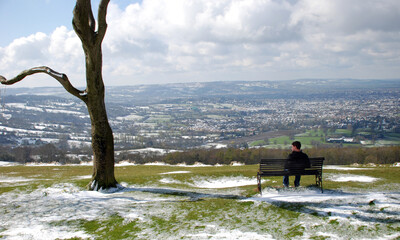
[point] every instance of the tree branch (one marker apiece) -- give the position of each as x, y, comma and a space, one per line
102, 12
60, 77
83, 21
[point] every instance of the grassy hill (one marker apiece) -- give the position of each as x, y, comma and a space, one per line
198, 202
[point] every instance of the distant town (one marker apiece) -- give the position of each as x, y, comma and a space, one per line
211, 115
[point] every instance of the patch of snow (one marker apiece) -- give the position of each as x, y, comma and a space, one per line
94, 185
4, 179
43, 232
86, 163
199, 164
160, 151
223, 182
181, 164
6, 116
215, 145
131, 117
6, 164
50, 140
39, 127
125, 163
38, 164
213, 232
297, 195
156, 164
83, 177
237, 164
23, 106
66, 112
350, 178
20, 130
335, 167
170, 181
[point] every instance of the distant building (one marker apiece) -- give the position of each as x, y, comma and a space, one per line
341, 140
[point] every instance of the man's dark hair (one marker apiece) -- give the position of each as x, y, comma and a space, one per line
297, 144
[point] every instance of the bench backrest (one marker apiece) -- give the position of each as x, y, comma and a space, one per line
277, 167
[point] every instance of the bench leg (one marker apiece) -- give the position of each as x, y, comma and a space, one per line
318, 181
259, 183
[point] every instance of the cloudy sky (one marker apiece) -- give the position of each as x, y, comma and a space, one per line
160, 41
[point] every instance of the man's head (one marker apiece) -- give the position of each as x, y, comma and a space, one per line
296, 146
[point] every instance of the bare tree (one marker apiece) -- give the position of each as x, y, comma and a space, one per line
102, 137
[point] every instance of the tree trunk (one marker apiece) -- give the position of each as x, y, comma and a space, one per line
103, 149
102, 136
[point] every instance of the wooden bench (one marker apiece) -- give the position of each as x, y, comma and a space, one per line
275, 167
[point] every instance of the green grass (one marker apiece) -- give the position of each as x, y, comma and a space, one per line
113, 227
285, 141
142, 175
344, 132
306, 138
258, 143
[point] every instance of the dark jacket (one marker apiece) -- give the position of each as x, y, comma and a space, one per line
296, 159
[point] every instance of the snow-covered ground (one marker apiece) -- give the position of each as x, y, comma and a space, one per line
43, 213
350, 178
5, 164
345, 168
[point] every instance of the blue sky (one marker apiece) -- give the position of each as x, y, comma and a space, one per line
20, 18
160, 41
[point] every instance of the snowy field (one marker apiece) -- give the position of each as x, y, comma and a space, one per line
191, 203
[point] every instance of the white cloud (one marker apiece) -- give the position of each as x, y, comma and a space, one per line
61, 51
22, 50
177, 38
202, 40
64, 44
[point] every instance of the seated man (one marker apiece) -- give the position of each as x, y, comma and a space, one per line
296, 161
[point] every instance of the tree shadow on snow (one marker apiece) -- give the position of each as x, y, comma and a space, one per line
335, 203
192, 195
306, 200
